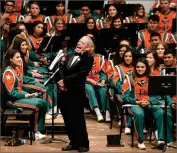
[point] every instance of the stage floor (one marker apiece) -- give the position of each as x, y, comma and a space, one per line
97, 136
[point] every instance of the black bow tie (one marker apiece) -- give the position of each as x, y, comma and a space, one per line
78, 54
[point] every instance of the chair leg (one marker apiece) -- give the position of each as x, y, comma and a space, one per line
31, 129
112, 114
150, 135
121, 126
132, 132
4, 122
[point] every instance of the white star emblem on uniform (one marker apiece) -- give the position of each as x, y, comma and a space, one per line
8, 77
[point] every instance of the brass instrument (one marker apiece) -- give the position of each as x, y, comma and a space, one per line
135, 18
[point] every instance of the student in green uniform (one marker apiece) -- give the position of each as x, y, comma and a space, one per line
135, 91
16, 97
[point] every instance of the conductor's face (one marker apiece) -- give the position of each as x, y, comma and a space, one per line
82, 45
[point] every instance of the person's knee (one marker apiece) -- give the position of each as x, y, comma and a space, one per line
89, 89
159, 113
139, 115
103, 90
42, 104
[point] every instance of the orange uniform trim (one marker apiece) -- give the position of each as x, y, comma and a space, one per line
141, 88
9, 80
32, 107
96, 68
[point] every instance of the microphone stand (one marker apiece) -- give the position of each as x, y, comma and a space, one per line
52, 139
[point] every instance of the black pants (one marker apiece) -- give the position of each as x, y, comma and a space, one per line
72, 109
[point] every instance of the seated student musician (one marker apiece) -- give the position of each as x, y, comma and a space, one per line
170, 58
156, 5
153, 61
135, 91
21, 6
8, 17
117, 59
140, 15
58, 29
155, 38
37, 35
96, 82
85, 12
21, 26
34, 13
31, 75
60, 11
107, 20
170, 62
160, 48
117, 22
6, 44
16, 97
144, 35
90, 27
117, 79
58, 26
166, 16
32, 56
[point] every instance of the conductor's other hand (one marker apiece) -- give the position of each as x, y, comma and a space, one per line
61, 83
173, 106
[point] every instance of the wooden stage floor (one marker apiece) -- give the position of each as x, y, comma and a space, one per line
97, 136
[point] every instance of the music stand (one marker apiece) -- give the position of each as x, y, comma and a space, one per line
47, 42
52, 139
174, 25
135, 26
75, 31
163, 85
104, 47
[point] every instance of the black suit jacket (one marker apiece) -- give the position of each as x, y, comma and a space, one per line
74, 77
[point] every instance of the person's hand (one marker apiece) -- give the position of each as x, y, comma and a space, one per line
172, 5
103, 82
27, 95
5, 16
6, 27
43, 60
37, 80
61, 84
37, 75
173, 106
27, 18
138, 102
93, 82
35, 71
81, 19
145, 103
36, 64
110, 95
32, 95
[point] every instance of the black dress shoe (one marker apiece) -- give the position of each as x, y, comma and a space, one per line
69, 147
83, 149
